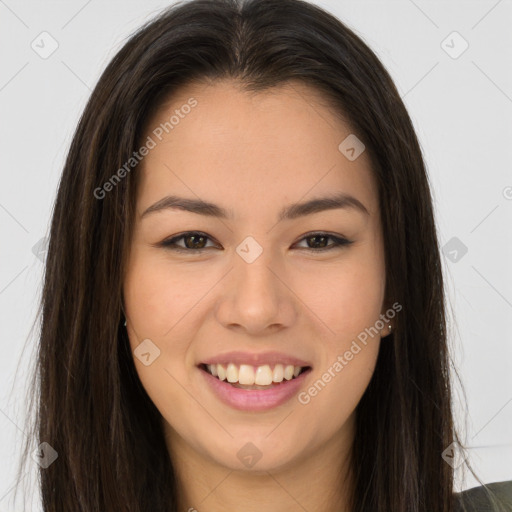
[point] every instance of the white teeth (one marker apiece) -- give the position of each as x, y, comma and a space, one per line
232, 373
246, 374
263, 376
278, 374
288, 372
249, 375
221, 372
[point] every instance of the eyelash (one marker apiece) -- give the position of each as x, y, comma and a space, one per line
170, 243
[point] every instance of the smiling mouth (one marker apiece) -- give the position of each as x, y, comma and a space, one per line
254, 377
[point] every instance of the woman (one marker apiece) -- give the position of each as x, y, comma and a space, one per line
243, 303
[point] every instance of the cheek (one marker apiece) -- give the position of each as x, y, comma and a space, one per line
350, 349
153, 307
154, 303
346, 297
349, 300
157, 296
334, 395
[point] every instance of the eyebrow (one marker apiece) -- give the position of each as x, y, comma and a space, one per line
290, 212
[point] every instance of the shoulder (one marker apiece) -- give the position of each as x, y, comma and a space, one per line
485, 498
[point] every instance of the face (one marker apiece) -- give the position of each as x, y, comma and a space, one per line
251, 283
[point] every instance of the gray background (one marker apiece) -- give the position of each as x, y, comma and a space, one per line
461, 105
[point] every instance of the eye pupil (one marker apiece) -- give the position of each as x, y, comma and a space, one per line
321, 237
194, 237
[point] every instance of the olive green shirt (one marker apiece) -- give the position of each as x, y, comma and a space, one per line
479, 500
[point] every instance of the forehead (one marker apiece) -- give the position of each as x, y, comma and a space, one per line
246, 149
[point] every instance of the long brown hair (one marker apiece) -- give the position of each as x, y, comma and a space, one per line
91, 406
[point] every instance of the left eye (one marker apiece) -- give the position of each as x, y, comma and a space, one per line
195, 241
320, 242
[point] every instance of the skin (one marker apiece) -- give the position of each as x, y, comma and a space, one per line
253, 154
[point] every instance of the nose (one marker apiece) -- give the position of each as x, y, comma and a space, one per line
255, 297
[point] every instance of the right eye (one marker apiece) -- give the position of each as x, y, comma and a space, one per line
194, 241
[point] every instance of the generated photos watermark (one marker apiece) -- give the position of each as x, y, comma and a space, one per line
342, 360
149, 144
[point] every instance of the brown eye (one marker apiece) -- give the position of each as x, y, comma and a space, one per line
317, 242
193, 241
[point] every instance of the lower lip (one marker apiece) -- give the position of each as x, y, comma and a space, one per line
255, 399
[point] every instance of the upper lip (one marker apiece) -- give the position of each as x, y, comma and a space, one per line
256, 359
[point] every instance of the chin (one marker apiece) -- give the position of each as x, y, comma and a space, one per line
257, 452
